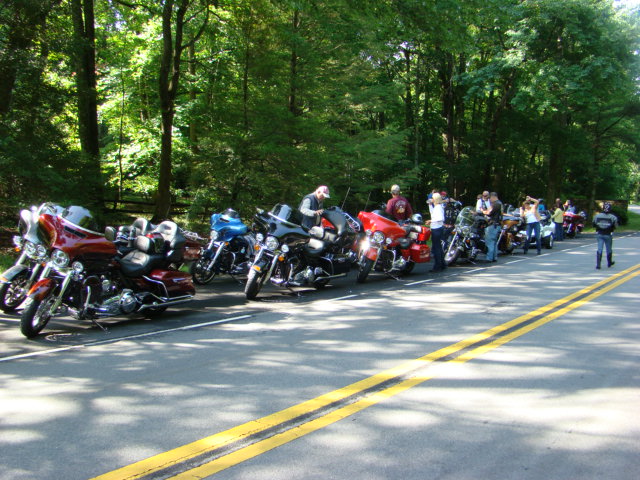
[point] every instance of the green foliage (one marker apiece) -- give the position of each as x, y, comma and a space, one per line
277, 97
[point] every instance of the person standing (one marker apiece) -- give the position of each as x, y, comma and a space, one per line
398, 206
311, 206
437, 230
494, 225
605, 223
558, 219
529, 211
484, 202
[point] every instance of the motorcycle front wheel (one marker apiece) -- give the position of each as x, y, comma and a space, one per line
254, 283
36, 315
452, 253
13, 294
200, 272
364, 268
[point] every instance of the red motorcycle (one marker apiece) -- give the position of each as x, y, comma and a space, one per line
390, 247
573, 223
87, 277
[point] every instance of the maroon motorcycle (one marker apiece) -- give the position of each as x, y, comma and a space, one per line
573, 223
86, 276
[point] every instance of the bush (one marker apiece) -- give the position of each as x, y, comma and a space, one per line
621, 213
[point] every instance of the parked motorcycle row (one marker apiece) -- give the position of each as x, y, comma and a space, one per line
66, 266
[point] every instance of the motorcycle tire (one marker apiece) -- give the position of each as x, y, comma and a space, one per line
408, 268
13, 294
36, 315
364, 268
199, 272
319, 284
254, 284
451, 254
548, 242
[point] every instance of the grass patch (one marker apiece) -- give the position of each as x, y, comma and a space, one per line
7, 258
633, 225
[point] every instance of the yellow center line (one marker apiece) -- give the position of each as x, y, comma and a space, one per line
181, 454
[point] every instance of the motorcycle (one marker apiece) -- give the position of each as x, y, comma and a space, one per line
390, 247
573, 223
509, 237
230, 249
468, 237
290, 256
33, 245
87, 277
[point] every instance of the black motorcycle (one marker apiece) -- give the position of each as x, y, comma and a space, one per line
288, 255
467, 239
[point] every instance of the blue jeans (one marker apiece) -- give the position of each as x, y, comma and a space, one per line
436, 248
606, 241
535, 228
559, 233
491, 234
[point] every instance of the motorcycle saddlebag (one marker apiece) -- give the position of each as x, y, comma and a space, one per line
424, 235
177, 283
420, 253
336, 265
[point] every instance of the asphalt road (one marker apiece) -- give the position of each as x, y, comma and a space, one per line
553, 394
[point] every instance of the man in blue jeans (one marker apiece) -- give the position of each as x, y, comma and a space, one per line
494, 225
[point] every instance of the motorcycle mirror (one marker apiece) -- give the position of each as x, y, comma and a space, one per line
110, 234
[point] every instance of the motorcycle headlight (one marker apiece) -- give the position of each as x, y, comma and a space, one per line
41, 251
378, 237
214, 235
388, 241
259, 237
17, 240
77, 267
285, 248
60, 259
30, 248
272, 243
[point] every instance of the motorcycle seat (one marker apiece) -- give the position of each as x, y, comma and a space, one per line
173, 238
319, 233
137, 263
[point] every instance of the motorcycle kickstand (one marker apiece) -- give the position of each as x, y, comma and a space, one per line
101, 327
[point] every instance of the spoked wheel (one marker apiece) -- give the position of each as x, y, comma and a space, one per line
201, 273
364, 268
254, 283
13, 294
36, 315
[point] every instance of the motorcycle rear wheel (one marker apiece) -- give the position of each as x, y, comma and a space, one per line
201, 275
254, 284
408, 268
36, 315
13, 294
363, 269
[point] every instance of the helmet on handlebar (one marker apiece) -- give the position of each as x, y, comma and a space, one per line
416, 218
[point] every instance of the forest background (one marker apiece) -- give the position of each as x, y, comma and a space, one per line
209, 104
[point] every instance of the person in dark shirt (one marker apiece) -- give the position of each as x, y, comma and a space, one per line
311, 206
605, 223
494, 225
398, 206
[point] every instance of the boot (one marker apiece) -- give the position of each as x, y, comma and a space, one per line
610, 261
598, 260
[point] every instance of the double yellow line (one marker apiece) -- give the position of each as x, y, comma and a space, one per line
212, 454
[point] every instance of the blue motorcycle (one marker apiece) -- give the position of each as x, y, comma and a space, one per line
230, 249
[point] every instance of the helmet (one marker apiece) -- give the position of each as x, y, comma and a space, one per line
416, 218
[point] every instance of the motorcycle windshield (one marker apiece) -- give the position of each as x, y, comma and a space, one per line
286, 214
81, 217
465, 217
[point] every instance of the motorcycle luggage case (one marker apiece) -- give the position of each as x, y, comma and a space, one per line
337, 265
177, 283
420, 253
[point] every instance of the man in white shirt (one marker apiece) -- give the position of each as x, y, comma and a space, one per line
484, 202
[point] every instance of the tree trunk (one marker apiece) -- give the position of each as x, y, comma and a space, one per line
168, 88
85, 62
